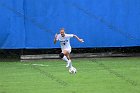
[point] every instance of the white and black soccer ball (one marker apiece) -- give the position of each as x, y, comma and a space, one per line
72, 70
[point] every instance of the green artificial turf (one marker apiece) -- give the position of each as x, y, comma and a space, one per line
100, 75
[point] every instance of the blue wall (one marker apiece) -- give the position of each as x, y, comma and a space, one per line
101, 23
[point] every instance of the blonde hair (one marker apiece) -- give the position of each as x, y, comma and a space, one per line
62, 29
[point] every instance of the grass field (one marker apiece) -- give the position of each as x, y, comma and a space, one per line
100, 75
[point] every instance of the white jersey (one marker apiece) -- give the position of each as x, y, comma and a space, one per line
64, 41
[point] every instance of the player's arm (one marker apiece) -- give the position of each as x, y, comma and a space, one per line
55, 39
80, 40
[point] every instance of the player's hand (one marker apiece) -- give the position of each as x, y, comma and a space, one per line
81, 40
56, 35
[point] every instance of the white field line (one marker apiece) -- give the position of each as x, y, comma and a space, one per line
43, 65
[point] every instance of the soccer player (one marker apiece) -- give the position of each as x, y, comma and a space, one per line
65, 45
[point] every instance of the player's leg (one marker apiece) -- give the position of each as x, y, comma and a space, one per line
67, 53
69, 63
68, 56
63, 56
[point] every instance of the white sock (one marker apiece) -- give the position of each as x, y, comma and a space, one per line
65, 59
70, 63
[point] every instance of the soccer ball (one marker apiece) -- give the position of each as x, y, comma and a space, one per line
72, 70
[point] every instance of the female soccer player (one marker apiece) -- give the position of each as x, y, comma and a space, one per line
65, 45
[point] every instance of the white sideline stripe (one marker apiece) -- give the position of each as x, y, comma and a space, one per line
36, 64
39, 65
43, 65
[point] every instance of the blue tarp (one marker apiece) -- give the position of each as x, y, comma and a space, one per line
32, 24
